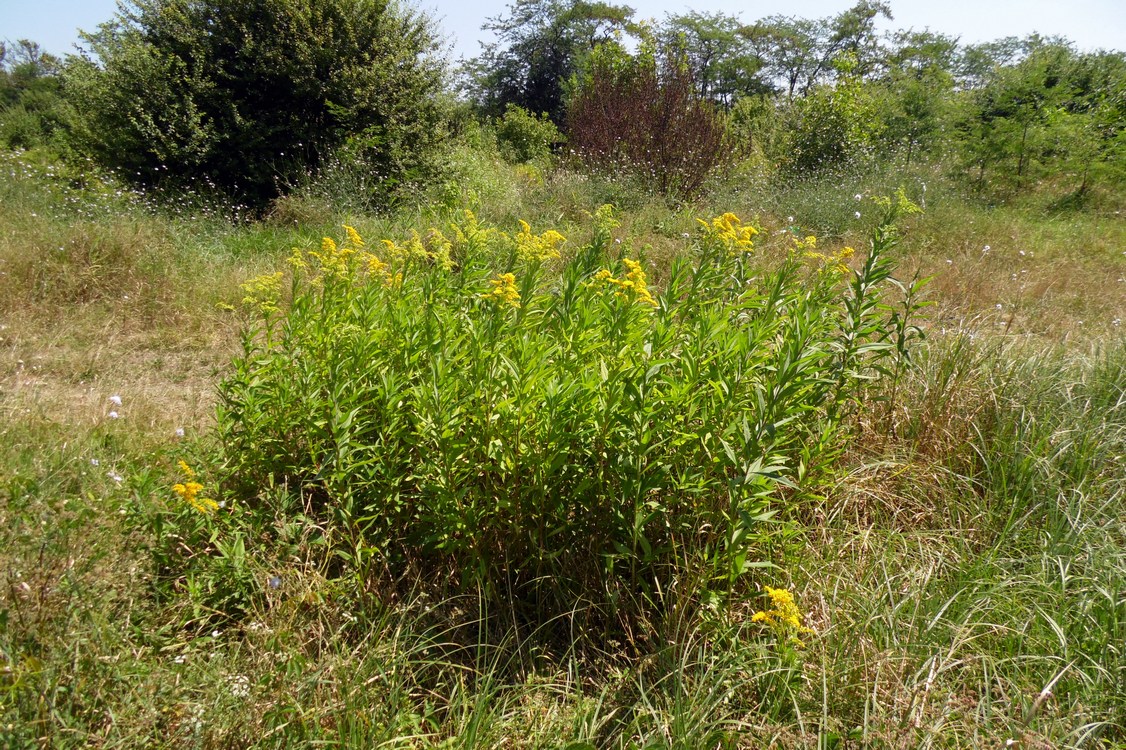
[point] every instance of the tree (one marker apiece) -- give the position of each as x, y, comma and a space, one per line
800, 53
1004, 120
248, 95
643, 115
720, 57
540, 46
916, 87
31, 105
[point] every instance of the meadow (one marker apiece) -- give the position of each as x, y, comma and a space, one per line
747, 489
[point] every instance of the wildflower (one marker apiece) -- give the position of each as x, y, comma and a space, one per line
783, 617
333, 260
263, 292
113, 415
632, 287
730, 233
115, 476
604, 218
532, 248
985, 249
354, 237
858, 214
504, 291
412, 249
179, 432
115, 400
858, 196
189, 489
274, 582
440, 248
469, 237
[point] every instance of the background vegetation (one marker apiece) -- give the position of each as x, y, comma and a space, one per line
500, 414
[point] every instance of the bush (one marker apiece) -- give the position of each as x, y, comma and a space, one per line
523, 137
570, 443
630, 115
250, 96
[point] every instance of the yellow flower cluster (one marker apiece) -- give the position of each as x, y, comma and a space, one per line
469, 237
825, 261
783, 616
832, 261
531, 247
434, 249
731, 233
189, 489
504, 291
632, 287
262, 292
334, 260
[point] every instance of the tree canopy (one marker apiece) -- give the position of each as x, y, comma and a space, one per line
247, 95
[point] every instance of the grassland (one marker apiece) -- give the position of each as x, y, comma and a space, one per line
962, 566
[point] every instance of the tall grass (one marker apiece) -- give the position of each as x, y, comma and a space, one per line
957, 551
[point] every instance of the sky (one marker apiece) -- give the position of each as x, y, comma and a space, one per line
1091, 24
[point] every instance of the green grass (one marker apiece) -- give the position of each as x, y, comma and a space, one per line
962, 565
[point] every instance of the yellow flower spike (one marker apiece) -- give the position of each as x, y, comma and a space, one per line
297, 260
504, 292
530, 247
263, 292
783, 617
729, 232
354, 237
189, 490
632, 287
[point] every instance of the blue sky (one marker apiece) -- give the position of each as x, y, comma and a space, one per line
1091, 24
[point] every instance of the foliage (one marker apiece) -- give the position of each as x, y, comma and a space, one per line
833, 126
31, 107
1052, 107
718, 53
643, 116
540, 45
564, 445
800, 53
522, 137
247, 96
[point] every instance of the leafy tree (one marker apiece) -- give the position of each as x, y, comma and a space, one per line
522, 137
643, 115
916, 88
833, 126
800, 53
720, 57
1004, 120
540, 45
31, 105
248, 95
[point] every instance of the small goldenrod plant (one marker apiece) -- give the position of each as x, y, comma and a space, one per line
783, 616
189, 490
537, 248
730, 233
503, 292
631, 287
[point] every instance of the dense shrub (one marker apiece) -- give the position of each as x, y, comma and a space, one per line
646, 118
571, 442
523, 137
249, 96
